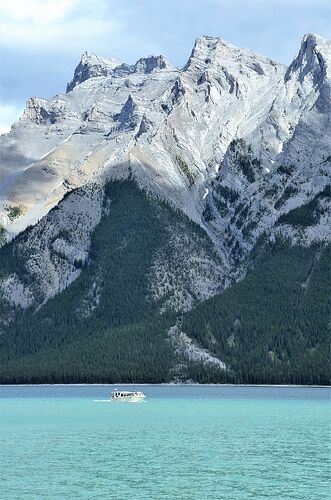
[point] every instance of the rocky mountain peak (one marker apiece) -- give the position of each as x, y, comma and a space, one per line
145, 66
91, 65
216, 55
151, 63
204, 50
313, 59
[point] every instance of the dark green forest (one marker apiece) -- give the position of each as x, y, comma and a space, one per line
272, 327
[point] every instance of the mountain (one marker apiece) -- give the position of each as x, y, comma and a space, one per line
171, 224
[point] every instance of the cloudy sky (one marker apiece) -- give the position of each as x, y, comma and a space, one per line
41, 40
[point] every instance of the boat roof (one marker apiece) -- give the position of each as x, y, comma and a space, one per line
125, 392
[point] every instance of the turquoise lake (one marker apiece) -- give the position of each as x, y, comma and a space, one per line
183, 442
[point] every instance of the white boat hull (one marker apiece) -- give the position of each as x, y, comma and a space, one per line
128, 399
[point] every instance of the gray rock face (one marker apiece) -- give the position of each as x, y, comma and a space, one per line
91, 66
55, 249
234, 139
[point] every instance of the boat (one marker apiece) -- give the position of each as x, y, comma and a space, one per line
127, 396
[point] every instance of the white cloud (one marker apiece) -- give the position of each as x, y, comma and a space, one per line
53, 25
36, 11
9, 113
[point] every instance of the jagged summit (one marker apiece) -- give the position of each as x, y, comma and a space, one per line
313, 58
144, 65
151, 63
92, 59
91, 65
316, 42
204, 47
209, 50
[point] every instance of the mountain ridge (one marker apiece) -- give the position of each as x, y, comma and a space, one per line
237, 142
64, 118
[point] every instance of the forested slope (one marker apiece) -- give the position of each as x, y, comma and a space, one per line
106, 325
274, 326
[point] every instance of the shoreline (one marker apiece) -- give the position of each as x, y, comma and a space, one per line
312, 386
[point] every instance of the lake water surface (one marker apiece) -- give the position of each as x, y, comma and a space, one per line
183, 442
